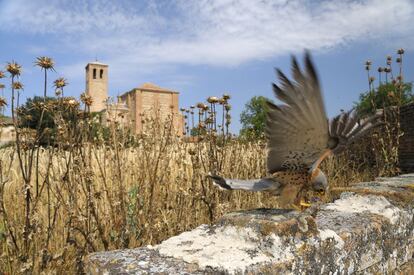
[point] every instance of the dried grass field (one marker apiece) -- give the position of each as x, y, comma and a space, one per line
99, 197
69, 186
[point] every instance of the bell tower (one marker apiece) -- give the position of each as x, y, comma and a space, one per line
97, 85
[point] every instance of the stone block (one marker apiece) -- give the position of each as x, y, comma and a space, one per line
368, 229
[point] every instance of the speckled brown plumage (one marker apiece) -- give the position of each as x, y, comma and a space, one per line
300, 137
295, 185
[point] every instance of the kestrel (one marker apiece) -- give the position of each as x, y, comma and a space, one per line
300, 137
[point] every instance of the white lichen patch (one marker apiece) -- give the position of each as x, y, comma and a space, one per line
370, 258
373, 204
330, 234
227, 248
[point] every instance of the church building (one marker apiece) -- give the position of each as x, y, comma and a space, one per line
134, 106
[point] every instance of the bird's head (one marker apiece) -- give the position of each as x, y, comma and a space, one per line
319, 182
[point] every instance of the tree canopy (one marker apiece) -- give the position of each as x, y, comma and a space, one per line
30, 112
385, 95
253, 118
52, 108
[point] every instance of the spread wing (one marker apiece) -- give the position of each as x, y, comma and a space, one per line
299, 133
348, 127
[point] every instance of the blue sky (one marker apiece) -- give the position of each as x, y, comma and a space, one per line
207, 47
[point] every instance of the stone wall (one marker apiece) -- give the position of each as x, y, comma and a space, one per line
367, 229
150, 100
406, 148
7, 134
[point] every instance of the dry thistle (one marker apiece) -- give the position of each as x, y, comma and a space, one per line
45, 63
2, 86
371, 79
3, 101
86, 99
20, 111
2, 74
200, 105
60, 83
38, 105
212, 99
400, 51
226, 96
17, 85
72, 102
14, 68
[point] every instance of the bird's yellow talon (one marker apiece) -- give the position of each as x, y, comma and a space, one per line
304, 204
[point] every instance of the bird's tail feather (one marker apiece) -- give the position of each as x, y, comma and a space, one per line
265, 184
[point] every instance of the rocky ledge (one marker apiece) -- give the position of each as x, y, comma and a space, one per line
368, 229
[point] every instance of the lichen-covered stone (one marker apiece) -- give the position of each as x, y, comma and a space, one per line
368, 229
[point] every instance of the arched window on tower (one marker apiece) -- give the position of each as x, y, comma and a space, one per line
94, 73
101, 74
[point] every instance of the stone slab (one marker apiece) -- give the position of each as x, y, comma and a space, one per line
369, 229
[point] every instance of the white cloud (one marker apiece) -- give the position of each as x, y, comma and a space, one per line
212, 32
69, 17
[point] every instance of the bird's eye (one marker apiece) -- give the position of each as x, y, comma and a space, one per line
333, 142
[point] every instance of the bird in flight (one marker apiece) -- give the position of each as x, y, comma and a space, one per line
300, 137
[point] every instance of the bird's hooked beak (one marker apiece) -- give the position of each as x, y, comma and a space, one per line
319, 182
